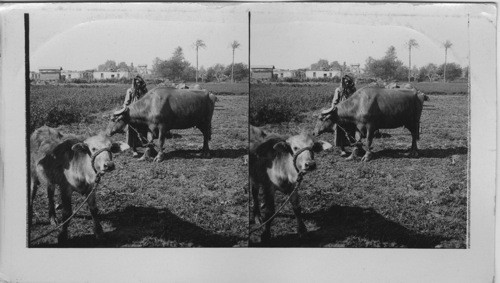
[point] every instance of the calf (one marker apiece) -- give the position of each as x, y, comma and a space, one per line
73, 165
275, 164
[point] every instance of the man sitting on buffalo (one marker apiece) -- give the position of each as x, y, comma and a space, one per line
344, 91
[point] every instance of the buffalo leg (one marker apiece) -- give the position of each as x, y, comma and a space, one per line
52, 210
95, 215
256, 205
414, 149
161, 141
149, 148
207, 135
297, 210
268, 210
35, 183
357, 149
369, 139
66, 213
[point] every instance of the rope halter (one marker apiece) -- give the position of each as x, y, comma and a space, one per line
296, 155
94, 156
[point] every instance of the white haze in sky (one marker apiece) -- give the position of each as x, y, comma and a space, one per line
286, 35
291, 36
83, 36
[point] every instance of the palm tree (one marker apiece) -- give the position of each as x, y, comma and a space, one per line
411, 43
198, 44
235, 44
446, 45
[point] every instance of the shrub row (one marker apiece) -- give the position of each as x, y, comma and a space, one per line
284, 102
55, 105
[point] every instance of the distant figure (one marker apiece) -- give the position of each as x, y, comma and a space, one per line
343, 92
134, 93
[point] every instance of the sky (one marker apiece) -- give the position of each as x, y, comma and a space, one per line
287, 35
83, 36
291, 36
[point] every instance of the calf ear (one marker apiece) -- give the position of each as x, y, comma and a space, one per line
282, 147
80, 147
321, 145
269, 148
119, 147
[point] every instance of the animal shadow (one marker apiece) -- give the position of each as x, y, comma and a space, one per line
138, 226
217, 153
355, 227
422, 153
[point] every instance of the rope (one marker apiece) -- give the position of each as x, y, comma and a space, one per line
141, 137
96, 183
348, 136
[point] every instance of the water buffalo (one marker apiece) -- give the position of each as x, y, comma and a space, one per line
72, 164
166, 108
275, 163
373, 108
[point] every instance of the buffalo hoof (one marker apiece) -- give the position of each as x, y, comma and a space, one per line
367, 157
351, 157
413, 154
206, 154
144, 158
302, 231
265, 237
62, 238
159, 157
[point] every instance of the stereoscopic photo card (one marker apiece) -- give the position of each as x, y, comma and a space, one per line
248, 141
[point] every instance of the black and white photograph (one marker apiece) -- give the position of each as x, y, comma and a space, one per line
246, 141
363, 125
143, 115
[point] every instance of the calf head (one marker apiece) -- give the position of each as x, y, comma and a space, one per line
325, 122
118, 121
100, 148
303, 147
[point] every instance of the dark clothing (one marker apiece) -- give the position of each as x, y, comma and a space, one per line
340, 138
134, 93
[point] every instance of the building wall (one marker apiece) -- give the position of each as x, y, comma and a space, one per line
72, 75
322, 74
110, 75
262, 75
284, 74
50, 76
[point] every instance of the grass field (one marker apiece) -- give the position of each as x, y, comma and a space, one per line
184, 201
392, 201
282, 102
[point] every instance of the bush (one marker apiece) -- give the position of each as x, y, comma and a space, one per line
284, 103
63, 114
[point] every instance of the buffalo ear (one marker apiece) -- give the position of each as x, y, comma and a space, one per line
80, 147
321, 145
119, 147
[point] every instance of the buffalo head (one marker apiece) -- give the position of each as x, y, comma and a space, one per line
326, 120
118, 121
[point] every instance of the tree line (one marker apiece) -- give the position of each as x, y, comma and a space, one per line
391, 68
177, 68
